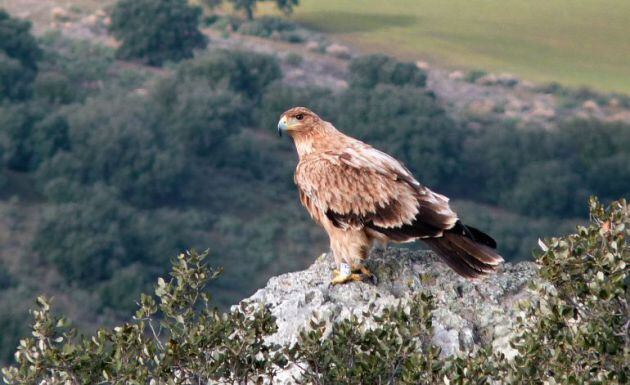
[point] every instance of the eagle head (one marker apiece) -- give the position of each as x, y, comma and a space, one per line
297, 119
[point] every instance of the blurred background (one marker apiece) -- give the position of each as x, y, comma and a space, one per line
133, 130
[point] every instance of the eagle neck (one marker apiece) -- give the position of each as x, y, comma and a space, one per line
315, 140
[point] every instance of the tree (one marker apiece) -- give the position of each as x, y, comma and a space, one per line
573, 331
547, 188
155, 31
29, 136
243, 72
119, 143
368, 71
249, 6
19, 54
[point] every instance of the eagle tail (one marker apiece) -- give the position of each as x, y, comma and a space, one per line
468, 251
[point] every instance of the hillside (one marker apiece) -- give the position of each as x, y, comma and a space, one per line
575, 43
561, 320
108, 167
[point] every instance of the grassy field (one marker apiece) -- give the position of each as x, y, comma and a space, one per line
574, 42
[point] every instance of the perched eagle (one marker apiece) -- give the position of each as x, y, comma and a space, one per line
361, 195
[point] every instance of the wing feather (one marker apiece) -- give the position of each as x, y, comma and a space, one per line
363, 187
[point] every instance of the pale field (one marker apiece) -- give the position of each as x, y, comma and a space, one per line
574, 42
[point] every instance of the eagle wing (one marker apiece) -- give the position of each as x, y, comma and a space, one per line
360, 187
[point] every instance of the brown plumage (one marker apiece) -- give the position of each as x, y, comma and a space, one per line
361, 195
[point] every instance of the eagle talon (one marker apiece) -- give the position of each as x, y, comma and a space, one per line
363, 270
341, 279
345, 275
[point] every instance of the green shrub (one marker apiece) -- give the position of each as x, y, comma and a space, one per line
13, 312
353, 353
265, 26
119, 143
610, 176
175, 335
243, 72
81, 65
577, 331
294, 59
156, 31
28, 136
55, 88
548, 188
273, 27
19, 54
200, 116
474, 75
15, 80
249, 6
368, 71
573, 331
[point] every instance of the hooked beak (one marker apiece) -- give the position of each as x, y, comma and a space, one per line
282, 125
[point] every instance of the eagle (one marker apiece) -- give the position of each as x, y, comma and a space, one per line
362, 196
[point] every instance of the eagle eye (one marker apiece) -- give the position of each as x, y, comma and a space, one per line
299, 116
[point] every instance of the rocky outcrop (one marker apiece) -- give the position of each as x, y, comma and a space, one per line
468, 315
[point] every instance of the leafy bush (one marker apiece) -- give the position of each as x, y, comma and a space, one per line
368, 71
119, 142
13, 312
15, 80
474, 75
199, 116
574, 332
353, 353
29, 136
19, 54
155, 31
55, 88
71, 69
294, 59
579, 330
89, 240
274, 27
248, 6
194, 342
547, 189
243, 72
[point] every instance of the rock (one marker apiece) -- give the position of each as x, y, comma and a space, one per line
423, 65
482, 107
526, 84
60, 14
487, 80
91, 20
468, 315
591, 106
312, 46
621, 116
614, 103
542, 110
338, 50
456, 75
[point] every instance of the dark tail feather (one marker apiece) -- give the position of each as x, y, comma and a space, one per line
468, 251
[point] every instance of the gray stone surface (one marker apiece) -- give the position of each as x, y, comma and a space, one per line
469, 313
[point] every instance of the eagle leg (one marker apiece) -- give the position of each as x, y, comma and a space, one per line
339, 278
362, 269
345, 274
